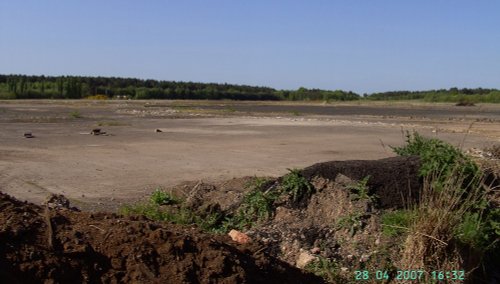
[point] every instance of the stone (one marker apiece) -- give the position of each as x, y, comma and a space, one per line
239, 237
304, 259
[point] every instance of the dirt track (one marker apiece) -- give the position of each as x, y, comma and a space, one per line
201, 140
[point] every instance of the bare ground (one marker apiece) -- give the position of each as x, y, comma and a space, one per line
210, 141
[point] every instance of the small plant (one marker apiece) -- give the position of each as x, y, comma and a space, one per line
361, 189
257, 206
352, 222
327, 269
295, 113
161, 197
75, 114
397, 222
297, 186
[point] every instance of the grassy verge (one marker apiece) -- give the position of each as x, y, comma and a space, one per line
454, 219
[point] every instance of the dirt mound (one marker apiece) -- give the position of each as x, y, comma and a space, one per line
43, 245
394, 180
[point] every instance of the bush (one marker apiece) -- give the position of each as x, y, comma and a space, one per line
438, 157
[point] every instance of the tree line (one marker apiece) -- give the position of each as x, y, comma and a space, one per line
77, 87
442, 95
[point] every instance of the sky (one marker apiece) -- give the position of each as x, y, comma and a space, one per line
364, 46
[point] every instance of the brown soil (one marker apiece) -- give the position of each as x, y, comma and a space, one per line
43, 245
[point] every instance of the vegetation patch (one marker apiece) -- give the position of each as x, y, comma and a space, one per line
453, 214
296, 185
397, 222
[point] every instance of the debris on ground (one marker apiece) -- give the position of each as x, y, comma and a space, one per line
28, 134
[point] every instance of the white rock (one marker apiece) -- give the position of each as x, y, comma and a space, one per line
304, 259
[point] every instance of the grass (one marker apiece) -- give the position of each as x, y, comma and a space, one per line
75, 114
453, 215
328, 270
396, 222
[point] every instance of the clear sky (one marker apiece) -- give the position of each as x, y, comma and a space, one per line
358, 45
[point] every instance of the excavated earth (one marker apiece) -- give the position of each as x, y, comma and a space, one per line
61, 245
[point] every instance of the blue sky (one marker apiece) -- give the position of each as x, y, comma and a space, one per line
363, 46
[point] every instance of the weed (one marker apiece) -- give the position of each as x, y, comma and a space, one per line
161, 197
257, 206
75, 114
295, 113
352, 222
361, 190
327, 269
297, 186
437, 157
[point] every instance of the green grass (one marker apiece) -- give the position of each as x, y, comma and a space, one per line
397, 222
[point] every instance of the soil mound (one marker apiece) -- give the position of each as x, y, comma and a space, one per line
394, 180
43, 245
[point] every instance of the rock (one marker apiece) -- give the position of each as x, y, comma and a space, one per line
304, 259
364, 258
157, 130
28, 135
315, 250
239, 237
57, 201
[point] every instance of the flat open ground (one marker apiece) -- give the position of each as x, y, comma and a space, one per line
204, 140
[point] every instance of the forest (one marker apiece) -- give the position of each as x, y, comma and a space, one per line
78, 87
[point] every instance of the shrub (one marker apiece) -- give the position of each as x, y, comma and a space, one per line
438, 157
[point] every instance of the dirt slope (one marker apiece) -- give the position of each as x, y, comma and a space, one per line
41, 245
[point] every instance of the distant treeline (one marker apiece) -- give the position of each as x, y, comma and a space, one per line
451, 95
76, 87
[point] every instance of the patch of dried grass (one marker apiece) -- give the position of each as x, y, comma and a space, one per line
430, 243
